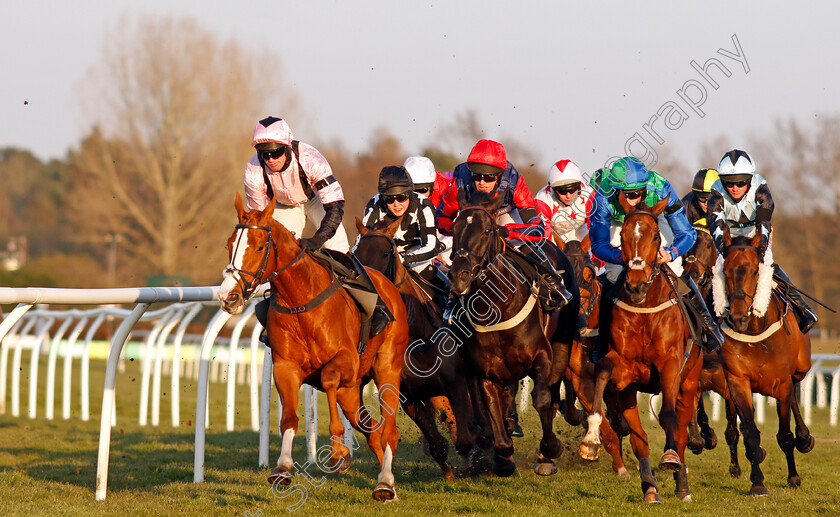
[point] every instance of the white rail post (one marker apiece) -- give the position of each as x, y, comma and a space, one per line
835, 396
201, 416
85, 379
148, 358
177, 311
68, 366
55, 343
6, 325
41, 340
16, 360
255, 378
108, 398
231, 369
265, 408
176, 363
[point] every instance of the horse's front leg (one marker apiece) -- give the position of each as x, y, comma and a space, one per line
669, 372
742, 398
550, 446
626, 400
590, 447
389, 400
288, 379
785, 437
494, 402
339, 460
686, 411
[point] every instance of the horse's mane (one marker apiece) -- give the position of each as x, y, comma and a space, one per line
479, 198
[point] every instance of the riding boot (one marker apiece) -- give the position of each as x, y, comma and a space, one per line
608, 296
360, 287
555, 295
449, 310
380, 319
712, 338
805, 316
513, 413
261, 312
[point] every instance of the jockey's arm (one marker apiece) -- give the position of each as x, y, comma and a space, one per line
684, 234
599, 232
715, 220
763, 214
447, 210
428, 235
256, 191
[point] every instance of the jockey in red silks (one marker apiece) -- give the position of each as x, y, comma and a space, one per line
488, 170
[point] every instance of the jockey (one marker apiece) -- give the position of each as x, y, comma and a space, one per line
427, 181
696, 201
741, 200
566, 204
629, 178
416, 238
309, 203
488, 170
431, 184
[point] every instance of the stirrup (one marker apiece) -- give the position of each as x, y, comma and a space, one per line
380, 319
264, 338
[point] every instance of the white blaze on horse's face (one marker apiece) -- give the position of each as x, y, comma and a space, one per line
231, 272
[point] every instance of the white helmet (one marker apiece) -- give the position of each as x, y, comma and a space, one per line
421, 169
736, 165
271, 133
564, 172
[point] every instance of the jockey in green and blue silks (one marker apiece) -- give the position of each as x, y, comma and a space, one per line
631, 176
639, 185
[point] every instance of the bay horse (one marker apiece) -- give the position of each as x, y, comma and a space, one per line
579, 378
507, 334
431, 379
649, 351
313, 330
764, 352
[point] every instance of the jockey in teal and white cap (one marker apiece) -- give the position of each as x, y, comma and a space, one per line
628, 177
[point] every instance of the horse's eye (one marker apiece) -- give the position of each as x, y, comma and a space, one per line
487, 231
262, 247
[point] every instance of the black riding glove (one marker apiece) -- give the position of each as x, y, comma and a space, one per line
503, 231
313, 243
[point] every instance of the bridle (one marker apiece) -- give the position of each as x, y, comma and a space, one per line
391, 268
740, 294
638, 262
248, 287
478, 264
705, 276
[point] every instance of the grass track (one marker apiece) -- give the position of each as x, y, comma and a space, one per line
49, 468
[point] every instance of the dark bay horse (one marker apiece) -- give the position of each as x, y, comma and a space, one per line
579, 378
313, 330
764, 352
430, 379
508, 336
650, 351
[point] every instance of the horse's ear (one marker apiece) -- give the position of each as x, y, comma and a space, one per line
359, 226
268, 211
659, 207
727, 236
496, 202
240, 209
588, 274
586, 243
756, 240
392, 228
462, 198
622, 201
557, 240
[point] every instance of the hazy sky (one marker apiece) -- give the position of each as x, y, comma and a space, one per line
576, 82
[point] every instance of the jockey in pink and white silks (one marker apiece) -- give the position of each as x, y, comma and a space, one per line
741, 200
310, 201
569, 201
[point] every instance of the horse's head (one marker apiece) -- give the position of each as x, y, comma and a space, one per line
248, 248
741, 270
475, 239
640, 243
700, 260
376, 248
586, 275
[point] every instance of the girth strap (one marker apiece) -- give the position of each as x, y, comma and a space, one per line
311, 304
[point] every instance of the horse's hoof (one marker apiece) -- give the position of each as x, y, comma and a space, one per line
280, 476
384, 492
683, 496
545, 467
805, 444
670, 460
503, 467
759, 491
710, 441
622, 472
794, 481
651, 496
340, 464
696, 448
589, 452
735, 471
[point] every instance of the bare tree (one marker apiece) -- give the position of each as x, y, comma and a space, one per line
174, 108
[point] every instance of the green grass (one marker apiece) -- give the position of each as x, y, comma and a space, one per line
49, 468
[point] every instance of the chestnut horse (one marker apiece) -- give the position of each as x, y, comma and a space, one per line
430, 379
508, 336
579, 378
650, 352
764, 352
313, 330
